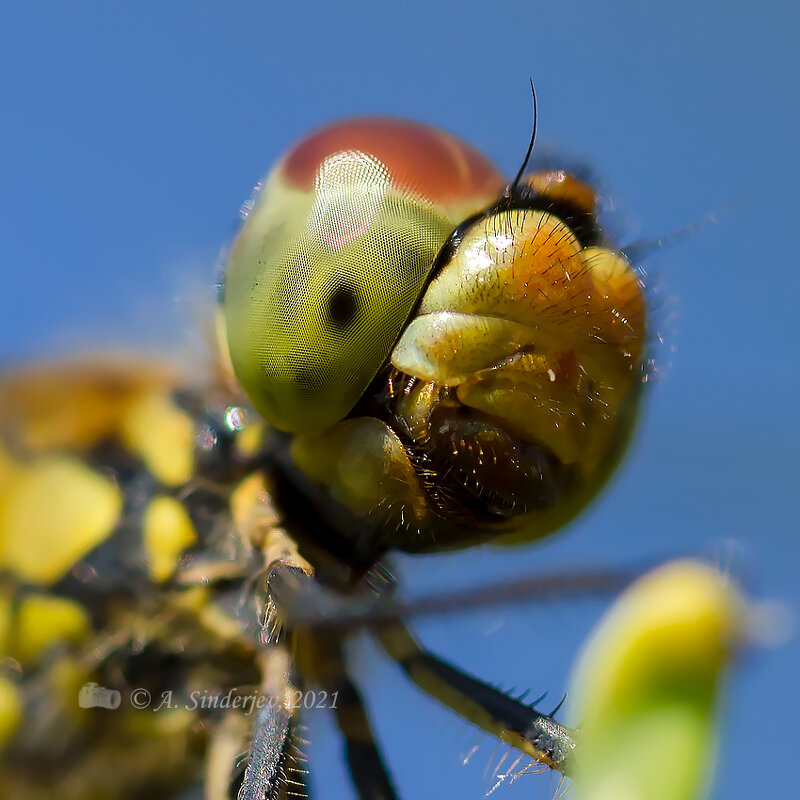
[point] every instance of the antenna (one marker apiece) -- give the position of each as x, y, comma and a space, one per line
518, 177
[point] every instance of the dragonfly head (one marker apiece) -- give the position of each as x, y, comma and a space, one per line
455, 360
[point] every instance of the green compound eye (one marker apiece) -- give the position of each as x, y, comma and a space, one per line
331, 260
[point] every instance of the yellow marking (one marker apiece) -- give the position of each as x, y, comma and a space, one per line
63, 683
72, 406
279, 546
163, 436
217, 622
44, 620
168, 531
52, 513
213, 619
252, 509
192, 600
166, 724
251, 437
10, 710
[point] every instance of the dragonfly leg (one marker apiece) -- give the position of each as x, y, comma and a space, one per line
321, 662
271, 770
325, 662
328, 615
509, 719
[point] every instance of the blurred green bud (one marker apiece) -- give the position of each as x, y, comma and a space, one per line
646, 684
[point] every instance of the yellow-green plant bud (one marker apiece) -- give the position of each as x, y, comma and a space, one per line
646, 685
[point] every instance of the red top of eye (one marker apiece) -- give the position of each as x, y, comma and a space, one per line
422, 159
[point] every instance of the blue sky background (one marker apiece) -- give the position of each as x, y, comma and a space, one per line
131, 132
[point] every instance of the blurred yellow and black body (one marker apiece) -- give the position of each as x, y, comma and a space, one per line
132, 537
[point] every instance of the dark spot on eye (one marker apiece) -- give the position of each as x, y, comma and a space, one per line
342, 307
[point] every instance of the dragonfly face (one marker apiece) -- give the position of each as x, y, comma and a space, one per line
441, 359
454, 359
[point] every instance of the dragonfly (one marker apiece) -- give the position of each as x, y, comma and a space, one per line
414, 355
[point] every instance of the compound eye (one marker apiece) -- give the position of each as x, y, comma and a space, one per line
332, 258
310, 326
